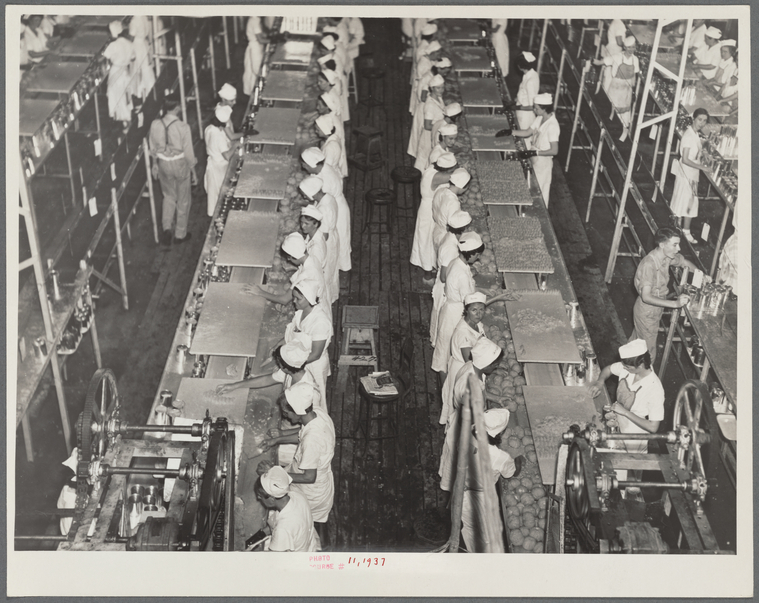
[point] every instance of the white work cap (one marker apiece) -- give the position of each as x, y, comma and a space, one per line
459, 219
543, 99
330, 76
297, 351
223, 113
328, 42
496, 420
729, 43
713, 32
311, 185
528, 56
312, 156
633, 349
449, 130
276, 482
294, 245
629, 41
325, 124
446, 161
484, 353
331, 101
228, 92
311, 211
327, 57
300, 397
470, 241
433, 46
429, 29
460, 177
310, 289
437, 80
115, 27
453, 109
444, 62
475, 298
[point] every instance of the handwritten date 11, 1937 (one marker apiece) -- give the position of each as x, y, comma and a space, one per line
366, 561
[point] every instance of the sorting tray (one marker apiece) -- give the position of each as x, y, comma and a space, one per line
470, 58
481, 92
229, 323
540, 328
483, 128
200, 395
293, 52
519, 246
83, 44
262, 178
551, 410
56, 77
33, 113
503, 183
285, 86
463, 30
276, 126
249, 239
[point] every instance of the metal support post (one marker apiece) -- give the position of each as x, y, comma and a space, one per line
70, 168
718, 244
194, 66
119, 249
149, 178
596, 168
61, 400
97, 121
542, 50
180, 75
212, 60
576, 120
559, 79
236, 29
94, 329
226, 42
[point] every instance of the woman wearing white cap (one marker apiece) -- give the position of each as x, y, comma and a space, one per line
502, 464
290, 523
120, 55
623, 69
333, 146
446, 139
459, 283
331, 88
486, 356
448, 250
254, 54
294, 248
429, 65
228, 98
652, 284
453, 112
707, 57
422, 249
36, 41
290, 359
416, 102
615, 36
726, 67
314, 162
639, 406
500, 44
728, 96
445, 203
433, 110
144, 79
219, 149
325, 204
465, 335
339, 53
687, 171
528, 89
544, 140
311, 219
311, 467
697, 33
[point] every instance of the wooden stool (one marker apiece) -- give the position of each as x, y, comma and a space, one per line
385, 406
379, 197
368, 148
373, 76
358, 348
404, 174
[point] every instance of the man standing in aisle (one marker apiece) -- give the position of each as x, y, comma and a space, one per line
170, 141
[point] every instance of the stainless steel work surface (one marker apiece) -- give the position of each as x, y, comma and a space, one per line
33, 113
262, 178
519, 246
56, 77
470, 58
481, 92
229, 323
463, 30
551, 410
293, 52
200, 395
249, 239
540, 328
483, 128
83, 44
285, 86
276, 126
503, 183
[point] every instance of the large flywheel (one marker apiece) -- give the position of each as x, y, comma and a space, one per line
578, 500
690, 419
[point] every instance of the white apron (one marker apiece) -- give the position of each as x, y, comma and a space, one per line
458, 285
447, 252
216, 167
319, 368
422, 251
463, 337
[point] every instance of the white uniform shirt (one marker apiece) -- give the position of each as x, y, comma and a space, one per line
293, 527
528, 88
547, 132
649, 398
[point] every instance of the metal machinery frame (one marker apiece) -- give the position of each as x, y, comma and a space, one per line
605, 521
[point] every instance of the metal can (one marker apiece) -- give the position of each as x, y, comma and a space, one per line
166, 397
699, 355
580, 374
590, 366
40, 347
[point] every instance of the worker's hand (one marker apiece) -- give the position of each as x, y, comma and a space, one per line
594, 387
225, 388
268, 444
682, 300
252, 289
194, 178
274, 432
619, 409
263, 467
154, 171
527, 154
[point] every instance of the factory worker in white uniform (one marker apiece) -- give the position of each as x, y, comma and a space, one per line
528, 90
331, 88
445, 203
500, 44
502, 464
445, 141
615, 43
417, 122
333, 146
311, 188
290, 523
453, 112
727, 65
430, 59
544, 138
228, 96
290, 359
144, 79
314, 162
311, 467
294, 248
254, 54
35, 39
448, 250
707, 57
432, 111
120, 54
623, 69
219, 149
422, 249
